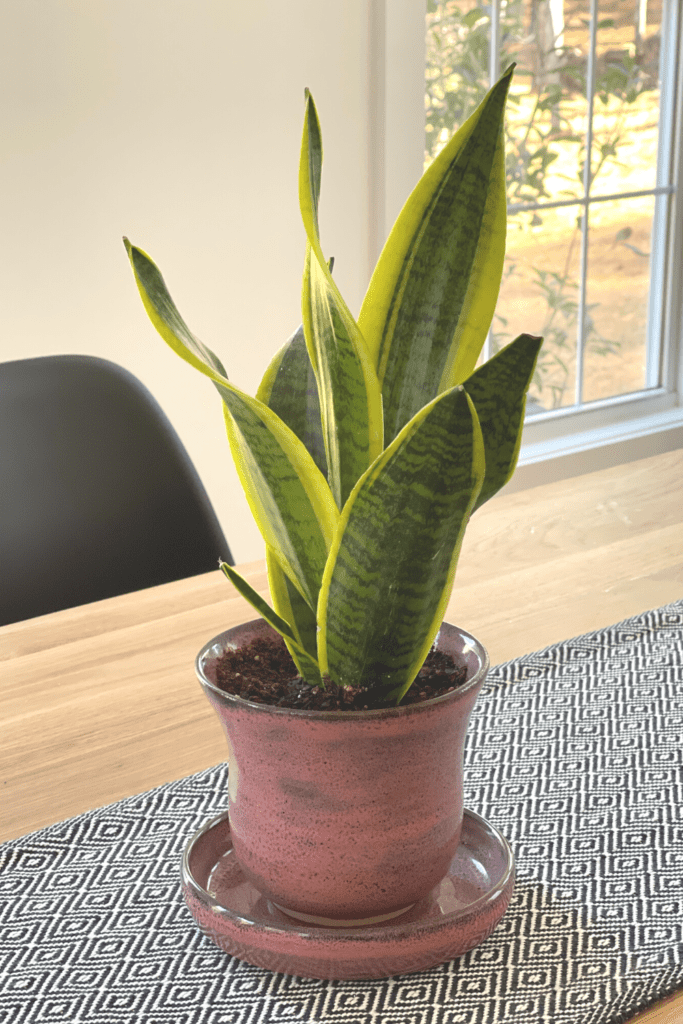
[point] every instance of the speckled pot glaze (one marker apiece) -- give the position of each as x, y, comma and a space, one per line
345, 815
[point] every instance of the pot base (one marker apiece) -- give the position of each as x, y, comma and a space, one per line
459, 913
333, 922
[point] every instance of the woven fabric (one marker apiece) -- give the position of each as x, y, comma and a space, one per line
574, 752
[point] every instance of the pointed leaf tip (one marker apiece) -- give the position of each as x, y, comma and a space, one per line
433, 292
288, 495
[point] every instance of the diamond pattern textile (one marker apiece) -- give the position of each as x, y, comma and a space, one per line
574, 752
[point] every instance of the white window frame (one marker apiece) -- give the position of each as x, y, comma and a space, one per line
579, 439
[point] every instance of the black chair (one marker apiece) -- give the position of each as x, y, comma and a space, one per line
98, 496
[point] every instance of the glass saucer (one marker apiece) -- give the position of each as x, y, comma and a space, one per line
457, 915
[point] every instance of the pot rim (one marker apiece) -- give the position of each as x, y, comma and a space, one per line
335, 716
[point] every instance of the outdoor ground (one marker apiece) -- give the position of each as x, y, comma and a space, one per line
618, 257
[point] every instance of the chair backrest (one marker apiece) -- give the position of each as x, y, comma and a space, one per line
98, 496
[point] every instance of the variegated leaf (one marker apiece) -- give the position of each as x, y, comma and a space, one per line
307, 666
288, 496
391, 567
348, 389
498, 390
289, 388
289, 604
431, 298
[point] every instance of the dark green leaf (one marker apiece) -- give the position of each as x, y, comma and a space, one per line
308, 666
391, 567
498, 390
290, 605
432, 296
348, 389
289, 388
287, 494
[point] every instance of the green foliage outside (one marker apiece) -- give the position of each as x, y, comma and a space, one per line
457, 78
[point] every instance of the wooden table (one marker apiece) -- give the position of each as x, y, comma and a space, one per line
101, 702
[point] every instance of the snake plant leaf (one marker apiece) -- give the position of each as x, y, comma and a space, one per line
431, 299
162, 311
290, 605
390, 570
307, 666
498, 389
257, 602
348, 389
289, 388
288, 495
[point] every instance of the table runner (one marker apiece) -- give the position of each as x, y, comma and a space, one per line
574, 752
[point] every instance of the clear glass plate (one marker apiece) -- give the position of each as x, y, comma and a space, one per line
459, 913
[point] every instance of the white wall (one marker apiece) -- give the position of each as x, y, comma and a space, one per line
177, 123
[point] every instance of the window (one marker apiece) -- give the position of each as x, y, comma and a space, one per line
594, 256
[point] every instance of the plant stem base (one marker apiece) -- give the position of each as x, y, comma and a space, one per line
459, 913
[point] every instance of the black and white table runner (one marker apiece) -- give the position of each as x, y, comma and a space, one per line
574, 752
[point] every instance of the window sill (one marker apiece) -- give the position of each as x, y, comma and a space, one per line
546, 459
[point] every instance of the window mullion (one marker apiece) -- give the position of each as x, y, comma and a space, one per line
660, 335
494, 42
583, 282
494, 74
554, 204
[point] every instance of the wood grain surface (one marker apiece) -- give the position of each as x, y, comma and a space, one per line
101, 702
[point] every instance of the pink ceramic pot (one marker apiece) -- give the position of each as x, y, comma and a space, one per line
339, 816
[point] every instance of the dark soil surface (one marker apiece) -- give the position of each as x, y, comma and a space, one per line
264, 672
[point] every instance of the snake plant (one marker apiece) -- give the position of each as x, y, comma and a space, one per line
371, 441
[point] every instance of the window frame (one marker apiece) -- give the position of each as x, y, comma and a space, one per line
577, 439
